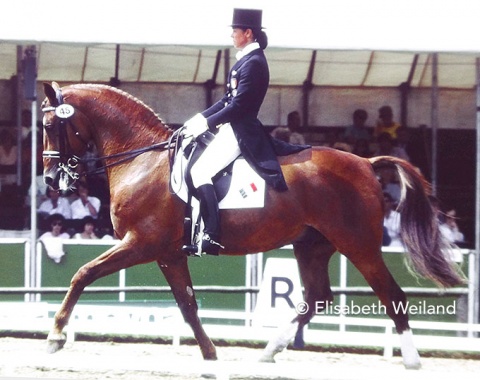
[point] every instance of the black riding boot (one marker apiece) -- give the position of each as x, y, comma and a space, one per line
211, 219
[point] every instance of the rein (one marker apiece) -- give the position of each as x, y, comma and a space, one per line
128, 155
69, 162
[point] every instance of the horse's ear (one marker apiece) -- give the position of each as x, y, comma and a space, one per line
50, 92
55, 86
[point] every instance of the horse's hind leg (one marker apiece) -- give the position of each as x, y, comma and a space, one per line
393, 298
178, 277
313, 254
116, 258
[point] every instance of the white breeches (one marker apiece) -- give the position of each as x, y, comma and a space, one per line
217, 155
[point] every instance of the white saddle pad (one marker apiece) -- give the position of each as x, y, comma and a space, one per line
247, 188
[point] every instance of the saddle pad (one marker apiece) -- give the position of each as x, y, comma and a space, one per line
247, 188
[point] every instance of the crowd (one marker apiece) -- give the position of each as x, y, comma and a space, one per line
385, 138
77, 214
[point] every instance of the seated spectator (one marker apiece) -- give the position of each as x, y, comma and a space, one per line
389, 181
358, 130
8, 157
403, 138
362, 148
391, 221
449, 228
52, 239
54, 204
292, 132
85, 205
386, 147
385, 123
88, 231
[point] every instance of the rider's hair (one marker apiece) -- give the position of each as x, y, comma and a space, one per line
261, 38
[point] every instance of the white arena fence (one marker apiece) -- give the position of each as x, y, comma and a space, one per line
164, 320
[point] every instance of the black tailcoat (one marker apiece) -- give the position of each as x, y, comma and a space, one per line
246, 88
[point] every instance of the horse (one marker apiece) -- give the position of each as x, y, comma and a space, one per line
334, 203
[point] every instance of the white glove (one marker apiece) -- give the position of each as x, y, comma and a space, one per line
195, 126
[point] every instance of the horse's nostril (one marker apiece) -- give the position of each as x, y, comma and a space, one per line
48, 180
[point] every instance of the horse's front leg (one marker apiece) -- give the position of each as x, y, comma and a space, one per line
111, 261
176, 272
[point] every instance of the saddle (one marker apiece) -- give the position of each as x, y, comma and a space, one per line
237, 186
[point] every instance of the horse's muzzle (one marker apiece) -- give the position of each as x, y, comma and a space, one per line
51, 177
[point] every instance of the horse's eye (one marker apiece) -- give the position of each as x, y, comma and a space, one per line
47, 123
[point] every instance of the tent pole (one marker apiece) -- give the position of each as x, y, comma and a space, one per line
18, 114
475, 281
33, 206
307, 87
434, 120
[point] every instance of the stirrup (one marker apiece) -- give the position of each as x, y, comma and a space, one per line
192, 250
210, 246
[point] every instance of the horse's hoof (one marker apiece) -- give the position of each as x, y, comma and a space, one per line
54, 345
211, 358
267, 359
413, 365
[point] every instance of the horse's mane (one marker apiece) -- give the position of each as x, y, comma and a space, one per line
124, 94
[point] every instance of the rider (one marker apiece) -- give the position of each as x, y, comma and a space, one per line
233, 120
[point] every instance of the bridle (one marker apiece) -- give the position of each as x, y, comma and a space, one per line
69, 161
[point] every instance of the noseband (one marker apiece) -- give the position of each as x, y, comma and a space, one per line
68, 161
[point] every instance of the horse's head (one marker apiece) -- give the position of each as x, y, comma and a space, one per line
65, 139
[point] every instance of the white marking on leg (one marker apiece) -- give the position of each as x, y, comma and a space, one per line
279, 343
411, 358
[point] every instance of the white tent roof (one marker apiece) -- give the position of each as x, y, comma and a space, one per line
357, 43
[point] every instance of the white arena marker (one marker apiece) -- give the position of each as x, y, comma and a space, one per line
279, 295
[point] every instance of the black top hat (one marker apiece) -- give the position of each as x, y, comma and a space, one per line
247, 18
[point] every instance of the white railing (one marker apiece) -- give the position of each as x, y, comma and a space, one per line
167, 322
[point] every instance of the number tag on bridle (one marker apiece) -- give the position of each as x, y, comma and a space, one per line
64, 111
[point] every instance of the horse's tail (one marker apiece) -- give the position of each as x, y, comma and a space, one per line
428, 253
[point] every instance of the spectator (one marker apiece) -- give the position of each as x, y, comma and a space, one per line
391, 221
362, 148
8, 157
26, 121
449, 228
389, 181
27, 159
85, 205
385, 123
357, 131
291, 133
52, 239
54, 204
386, 147
41, 191
88, 231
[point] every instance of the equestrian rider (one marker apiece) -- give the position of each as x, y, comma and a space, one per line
233, 120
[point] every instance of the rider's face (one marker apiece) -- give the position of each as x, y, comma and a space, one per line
241, 38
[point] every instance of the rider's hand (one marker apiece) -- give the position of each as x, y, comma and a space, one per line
195, 126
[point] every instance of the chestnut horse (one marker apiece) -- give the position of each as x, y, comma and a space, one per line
334, 203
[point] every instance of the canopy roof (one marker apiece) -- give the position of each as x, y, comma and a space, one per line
353, 43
